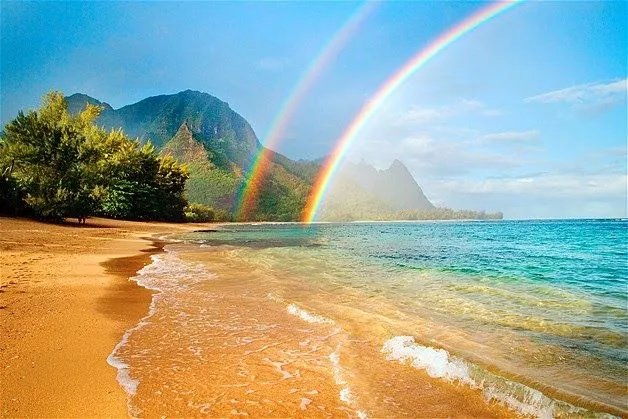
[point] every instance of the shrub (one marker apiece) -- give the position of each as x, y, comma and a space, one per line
199, 213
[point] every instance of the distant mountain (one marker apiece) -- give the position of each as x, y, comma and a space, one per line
394, 185
361, 192
218, 146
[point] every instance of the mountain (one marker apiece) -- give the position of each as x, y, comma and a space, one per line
361, 192
77, 102
158, 119
218, 146
395, 185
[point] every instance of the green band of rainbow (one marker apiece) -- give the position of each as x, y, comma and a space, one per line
261, 163
332, 163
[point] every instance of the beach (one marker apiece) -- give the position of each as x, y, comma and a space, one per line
65, 301
347, 320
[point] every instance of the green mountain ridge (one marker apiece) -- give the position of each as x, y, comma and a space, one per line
158, 118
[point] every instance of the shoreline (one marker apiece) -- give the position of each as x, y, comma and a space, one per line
65, 302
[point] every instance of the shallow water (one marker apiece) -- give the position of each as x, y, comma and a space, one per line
385, 319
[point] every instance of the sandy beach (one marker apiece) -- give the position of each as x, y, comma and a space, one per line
232, 330
65, 301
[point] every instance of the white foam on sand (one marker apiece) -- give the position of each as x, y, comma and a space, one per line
436, 362
439, 363
166, 272
344, 394
307, 316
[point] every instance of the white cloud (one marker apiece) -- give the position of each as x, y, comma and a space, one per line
511, 137
566, 185
588, 93
427, 156
598, 193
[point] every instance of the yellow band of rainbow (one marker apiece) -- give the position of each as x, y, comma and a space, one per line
332, 163
260, 165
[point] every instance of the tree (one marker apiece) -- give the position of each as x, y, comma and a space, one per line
139, 184
48, 155
58, 165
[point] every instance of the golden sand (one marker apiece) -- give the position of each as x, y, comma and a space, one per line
65, 301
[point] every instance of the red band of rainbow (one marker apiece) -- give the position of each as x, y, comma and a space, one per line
332, 163
249, 193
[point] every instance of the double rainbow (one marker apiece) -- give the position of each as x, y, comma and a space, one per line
261, 163
332, 163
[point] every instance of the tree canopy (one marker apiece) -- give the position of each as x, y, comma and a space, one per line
56, 165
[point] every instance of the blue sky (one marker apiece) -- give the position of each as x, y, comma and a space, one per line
527, 114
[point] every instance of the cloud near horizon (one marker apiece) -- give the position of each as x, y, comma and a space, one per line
595, 194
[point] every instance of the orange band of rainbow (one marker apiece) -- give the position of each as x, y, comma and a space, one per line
397, 79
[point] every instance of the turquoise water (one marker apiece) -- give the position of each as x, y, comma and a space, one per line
544, 303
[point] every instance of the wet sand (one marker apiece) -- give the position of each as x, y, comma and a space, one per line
218, 344
65, 301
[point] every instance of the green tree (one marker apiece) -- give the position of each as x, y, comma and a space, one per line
48, 153
138, 183
58, 165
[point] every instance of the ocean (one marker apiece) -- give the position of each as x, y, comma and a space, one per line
415, 319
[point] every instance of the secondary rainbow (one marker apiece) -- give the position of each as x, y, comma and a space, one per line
261, 163
389, 86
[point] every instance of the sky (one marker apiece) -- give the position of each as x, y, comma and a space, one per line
526, 114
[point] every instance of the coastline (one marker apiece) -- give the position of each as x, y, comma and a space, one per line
65, 302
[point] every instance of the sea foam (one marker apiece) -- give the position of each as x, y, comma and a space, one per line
438, 363
307, 316
345, 393
167, 272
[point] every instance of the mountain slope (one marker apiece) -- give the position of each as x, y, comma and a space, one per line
158, 119
217, 183
208, 184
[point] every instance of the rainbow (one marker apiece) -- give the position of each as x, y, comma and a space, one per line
389, 86
261, 163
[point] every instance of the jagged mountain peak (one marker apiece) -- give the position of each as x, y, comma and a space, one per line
184, 129
397, 165
395, 186
186, 149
